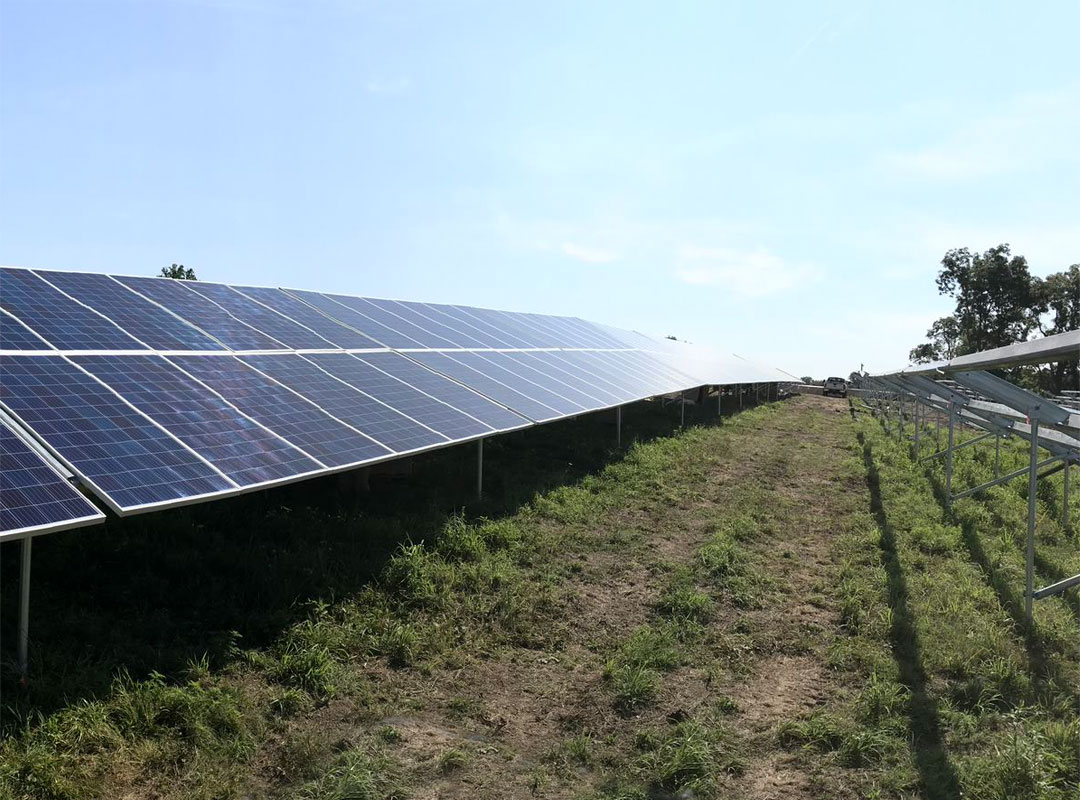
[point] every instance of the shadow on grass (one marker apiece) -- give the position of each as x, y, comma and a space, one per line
936, 773
151, 593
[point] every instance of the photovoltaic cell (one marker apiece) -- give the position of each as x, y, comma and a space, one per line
386, 337
493, 336
576, 375
129, 459
429, 323
58, 319
33, 496
16, 336
285, 303
525, 334
436, 414
282, 411
506, 370
234, 444
559, 383
363, 412
261, 318
597, 363
393, 320
202, 313
150, 324
448, 391
481, 380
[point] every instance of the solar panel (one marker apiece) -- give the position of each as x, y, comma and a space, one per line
386, 337
384, 386
455, 316
541, 375
16, 336
386, 425
201, 312
56, 318
258, 316
575, 373
449, 391
423, 319
127, 459
283, 411
392, 320
149, 323
510, 323
565, 398
237, 446
284, 303
34, 498
485, 379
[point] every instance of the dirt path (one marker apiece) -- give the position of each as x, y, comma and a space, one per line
527, 724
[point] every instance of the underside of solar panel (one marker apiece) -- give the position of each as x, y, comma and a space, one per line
156, 392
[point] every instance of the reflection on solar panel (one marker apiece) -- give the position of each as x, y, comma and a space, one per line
165, 392
149, 323
392, 428
284, 303
56, 318
114, 449
203, 313
283, 411
260, 317
383, 386
34, 498
237, 446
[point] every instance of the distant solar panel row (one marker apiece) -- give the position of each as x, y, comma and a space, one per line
157, 392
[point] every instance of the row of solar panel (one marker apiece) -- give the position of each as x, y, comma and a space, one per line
148, 430
88, 311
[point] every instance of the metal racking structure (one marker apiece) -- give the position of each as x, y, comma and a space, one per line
964, 392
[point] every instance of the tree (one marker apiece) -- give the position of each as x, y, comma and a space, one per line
179, 272
944, 335
1062, 296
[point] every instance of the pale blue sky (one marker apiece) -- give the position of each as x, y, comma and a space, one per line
774, 179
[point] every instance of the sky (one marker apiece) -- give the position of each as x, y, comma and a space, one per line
779, 180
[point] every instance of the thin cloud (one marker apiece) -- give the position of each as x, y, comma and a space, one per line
590, 255
747, 273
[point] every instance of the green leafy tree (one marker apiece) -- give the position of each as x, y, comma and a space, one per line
944, 335
1062, 296
179, 272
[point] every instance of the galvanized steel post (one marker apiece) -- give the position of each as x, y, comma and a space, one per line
1029, 562
24, 608
949, 454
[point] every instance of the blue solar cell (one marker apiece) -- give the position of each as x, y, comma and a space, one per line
526, 335
283, 411
365, 413
149, 323
437, 415
598, 364
385, 336
131, 461
205, 314
448, 391
440, 331
582, 396
284, 303
576, 375
491, 382
16, 336
260, 317
483, 331
33, 497
384, 314
58, 319
653, 370
234, 444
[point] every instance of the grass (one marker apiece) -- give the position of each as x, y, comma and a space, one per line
352, 651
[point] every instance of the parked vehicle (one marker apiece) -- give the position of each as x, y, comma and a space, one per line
834, 386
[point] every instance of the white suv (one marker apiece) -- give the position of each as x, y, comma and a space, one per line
837, 386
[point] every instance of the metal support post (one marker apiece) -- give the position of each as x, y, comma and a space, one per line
479, 469
949, 453
1065, 498
24, 607
618, 426
1033, 476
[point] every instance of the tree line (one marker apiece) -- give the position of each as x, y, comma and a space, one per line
999, 302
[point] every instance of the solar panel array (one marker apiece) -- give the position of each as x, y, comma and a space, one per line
156, 392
